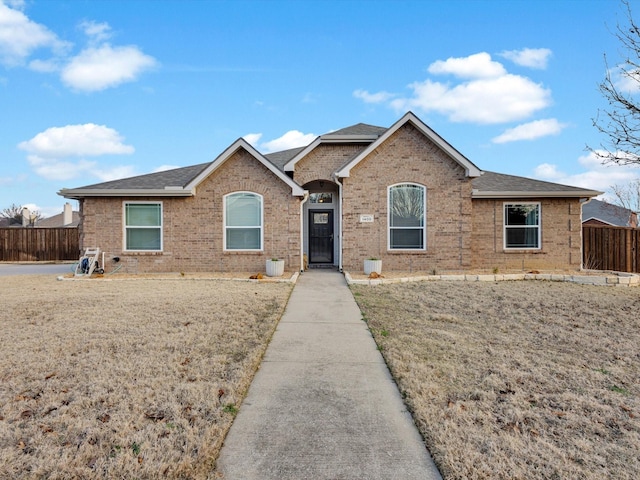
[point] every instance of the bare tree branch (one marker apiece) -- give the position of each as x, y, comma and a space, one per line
620, 123
14, 213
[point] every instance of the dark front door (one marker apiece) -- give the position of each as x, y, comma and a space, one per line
320, 236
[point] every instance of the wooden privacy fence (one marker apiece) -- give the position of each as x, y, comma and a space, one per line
39, 244
611, 248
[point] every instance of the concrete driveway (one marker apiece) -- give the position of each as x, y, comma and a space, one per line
7, 269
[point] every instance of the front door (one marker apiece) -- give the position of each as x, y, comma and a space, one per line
320, 236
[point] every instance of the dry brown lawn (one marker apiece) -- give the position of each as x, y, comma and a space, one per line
516, 380
131, 378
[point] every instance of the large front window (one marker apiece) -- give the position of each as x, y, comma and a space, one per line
143, 226
243, 221
522, 226
407, 225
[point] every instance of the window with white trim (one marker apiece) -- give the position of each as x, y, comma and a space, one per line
243, 221
522, 226
143, 226
407, 223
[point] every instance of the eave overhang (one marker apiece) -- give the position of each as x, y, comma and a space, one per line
78, 193
532, 194
604, 222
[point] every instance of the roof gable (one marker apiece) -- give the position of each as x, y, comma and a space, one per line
359, 133
241, 143
470, 169
178, 182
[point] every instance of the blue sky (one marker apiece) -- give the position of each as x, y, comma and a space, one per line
95, 90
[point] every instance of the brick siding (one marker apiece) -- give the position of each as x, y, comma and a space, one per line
193, 227
324, 161
462, 234
407, 156
561, 232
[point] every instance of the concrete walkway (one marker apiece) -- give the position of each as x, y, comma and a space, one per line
323, 404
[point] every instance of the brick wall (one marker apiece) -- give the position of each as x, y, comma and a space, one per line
561, 232
462, 234
408, 156
193, 229
324, 161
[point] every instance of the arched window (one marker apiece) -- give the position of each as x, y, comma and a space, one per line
407, 217
243, 221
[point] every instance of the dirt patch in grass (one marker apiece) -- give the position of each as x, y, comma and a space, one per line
126, 379
529, 380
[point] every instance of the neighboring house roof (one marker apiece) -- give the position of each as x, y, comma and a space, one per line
9, 222
58, 221
608, 214
470, 169
499, 185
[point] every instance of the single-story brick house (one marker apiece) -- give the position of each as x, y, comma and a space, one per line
401, 194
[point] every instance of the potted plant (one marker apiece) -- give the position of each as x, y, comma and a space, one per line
372, 265
275, 267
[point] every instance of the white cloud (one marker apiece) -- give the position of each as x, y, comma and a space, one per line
20, 37
478, 65
114, 173
495, 100
626, 81
597, 176
67, 169
291, 139
76, 141
486, 94
96, 67
164, 168
60, 169
44, 66
529, 57
379, 97
548, 171
103, 67
531, 131
253, 138
98, 32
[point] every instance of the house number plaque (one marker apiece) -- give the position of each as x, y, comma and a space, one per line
366, 218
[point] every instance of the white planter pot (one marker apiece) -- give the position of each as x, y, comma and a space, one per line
372, 266
275, 268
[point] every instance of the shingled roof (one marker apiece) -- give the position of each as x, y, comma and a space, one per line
359, 129
177, 177
173, 182
608, 213
500, 185
279, 159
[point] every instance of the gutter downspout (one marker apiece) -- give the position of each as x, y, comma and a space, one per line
304, 200
337, 180
583, 202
